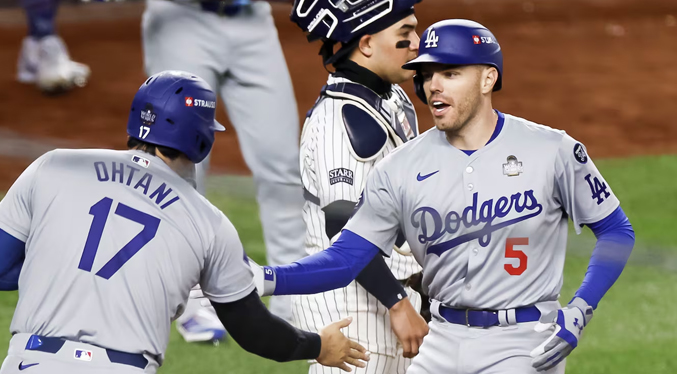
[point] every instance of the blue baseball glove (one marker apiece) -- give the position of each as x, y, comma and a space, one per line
568, 324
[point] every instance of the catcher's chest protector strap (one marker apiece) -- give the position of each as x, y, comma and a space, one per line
366, 120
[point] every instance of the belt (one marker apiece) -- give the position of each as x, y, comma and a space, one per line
221, 8
489, 318
53, 345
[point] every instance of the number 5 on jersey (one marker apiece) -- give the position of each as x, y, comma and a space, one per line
511, 252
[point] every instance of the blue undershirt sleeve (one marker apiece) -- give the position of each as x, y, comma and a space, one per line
332, 268
12, 252
615, 240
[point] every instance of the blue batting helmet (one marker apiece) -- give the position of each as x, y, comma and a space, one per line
343, 21
175, 109
457, 42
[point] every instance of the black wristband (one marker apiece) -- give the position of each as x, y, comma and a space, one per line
379, 281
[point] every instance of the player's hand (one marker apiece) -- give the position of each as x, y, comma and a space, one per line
339, 351
264, 287
409, 326
197, 294
568, 324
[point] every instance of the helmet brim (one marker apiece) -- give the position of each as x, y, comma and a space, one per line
218, 127
416, 63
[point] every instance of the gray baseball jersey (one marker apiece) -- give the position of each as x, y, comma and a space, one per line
490, 228
114, 242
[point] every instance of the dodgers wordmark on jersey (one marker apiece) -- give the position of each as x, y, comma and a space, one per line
119, 269
490, 229
337, 154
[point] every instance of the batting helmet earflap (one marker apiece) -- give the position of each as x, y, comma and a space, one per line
342, 21
175, 109
457, 42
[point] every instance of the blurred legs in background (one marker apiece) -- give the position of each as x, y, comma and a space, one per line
44, 59
237, 51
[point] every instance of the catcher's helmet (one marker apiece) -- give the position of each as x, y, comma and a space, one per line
343, 21
457, 42
175, 109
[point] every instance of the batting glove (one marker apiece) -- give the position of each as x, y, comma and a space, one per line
264, 278
196, 294
568, 324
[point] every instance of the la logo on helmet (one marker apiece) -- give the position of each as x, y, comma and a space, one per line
432, 39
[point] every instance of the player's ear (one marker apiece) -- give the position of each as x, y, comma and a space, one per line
489, 77
365, 46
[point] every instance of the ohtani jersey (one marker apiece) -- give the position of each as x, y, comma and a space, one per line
114, 242
490, 229
349, 130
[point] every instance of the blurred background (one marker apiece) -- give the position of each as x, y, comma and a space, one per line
603, 70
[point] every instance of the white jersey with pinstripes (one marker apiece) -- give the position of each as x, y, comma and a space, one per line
331, 171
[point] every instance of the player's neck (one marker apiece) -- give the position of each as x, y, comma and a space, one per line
476, 133
181, 166
363, 75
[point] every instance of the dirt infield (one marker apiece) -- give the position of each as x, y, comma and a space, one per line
602, 70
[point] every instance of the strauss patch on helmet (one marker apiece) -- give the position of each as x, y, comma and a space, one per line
204, 103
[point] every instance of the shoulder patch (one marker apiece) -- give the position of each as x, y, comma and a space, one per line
580, 154
367, 136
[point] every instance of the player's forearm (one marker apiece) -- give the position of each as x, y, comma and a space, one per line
332, 268
615, 240
259, 332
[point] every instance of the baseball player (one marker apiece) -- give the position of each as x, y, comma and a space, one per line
483, 199
360, 117
44, 59
109, 244
233, 45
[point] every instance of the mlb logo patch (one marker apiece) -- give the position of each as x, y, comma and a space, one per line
141, 161
83, 355
189, 101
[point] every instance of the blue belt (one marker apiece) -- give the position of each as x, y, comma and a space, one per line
220, 8
53, 345
486, 318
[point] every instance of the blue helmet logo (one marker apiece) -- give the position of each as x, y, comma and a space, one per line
175, 109
457, 42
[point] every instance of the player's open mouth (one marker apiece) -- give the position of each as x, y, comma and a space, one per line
439, 107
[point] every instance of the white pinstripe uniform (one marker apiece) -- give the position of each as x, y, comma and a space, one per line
332, 170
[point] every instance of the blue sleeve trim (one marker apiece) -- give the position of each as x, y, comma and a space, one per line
12, 251
332, 268
615, 240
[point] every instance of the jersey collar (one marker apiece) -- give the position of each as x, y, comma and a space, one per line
359, 74
497, 130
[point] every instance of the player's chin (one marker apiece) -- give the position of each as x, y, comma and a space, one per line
402, 76
444, 123
407, 75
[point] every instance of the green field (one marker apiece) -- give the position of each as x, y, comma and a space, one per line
634, 330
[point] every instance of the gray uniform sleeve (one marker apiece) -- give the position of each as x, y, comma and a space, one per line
581, 190
226, 276
376, 218
17, 206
